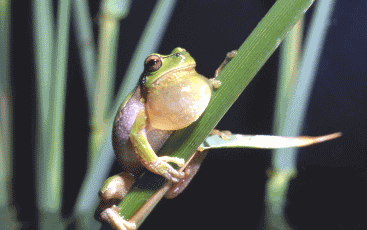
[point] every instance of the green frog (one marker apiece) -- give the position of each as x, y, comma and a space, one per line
170, 95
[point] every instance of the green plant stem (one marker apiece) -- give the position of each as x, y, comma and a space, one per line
44, 49
107, 48
290, 54
277, 184
235, 77
5, 107
284, 160
86, 45
58, 89
297, 107
8, 218
50, 163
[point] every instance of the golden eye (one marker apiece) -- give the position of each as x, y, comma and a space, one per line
152, 63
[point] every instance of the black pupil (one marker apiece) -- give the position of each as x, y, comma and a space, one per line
152, 65
152, 62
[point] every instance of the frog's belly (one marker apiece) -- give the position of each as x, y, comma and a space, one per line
177, 106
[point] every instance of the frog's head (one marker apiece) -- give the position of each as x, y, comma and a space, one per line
157, 65
175, 94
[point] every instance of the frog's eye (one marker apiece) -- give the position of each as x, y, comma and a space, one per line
152, 63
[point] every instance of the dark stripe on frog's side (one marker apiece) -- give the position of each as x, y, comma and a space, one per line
122, 125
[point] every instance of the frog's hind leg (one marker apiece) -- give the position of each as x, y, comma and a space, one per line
112, 192
193, 166
190, 171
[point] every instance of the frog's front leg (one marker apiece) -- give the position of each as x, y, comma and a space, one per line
213, 81
146, 154
229, 56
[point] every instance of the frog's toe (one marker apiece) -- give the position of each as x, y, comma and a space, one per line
232, 54
225, 135
215, 83
170, 177
173, 175
178, 161
161, 167
170, 173
111, 216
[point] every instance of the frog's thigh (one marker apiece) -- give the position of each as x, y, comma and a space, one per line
117, 186
190, 171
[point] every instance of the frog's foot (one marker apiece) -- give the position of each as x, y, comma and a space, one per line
215, 83
190, 171
160, 166
229, 57
111, 215
225, 135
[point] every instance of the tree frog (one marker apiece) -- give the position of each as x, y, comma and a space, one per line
170, 95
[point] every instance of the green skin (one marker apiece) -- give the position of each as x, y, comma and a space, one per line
170, 95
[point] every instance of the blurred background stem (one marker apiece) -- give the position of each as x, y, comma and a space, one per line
277, 185
51, 87
87, 50
44, 48
7, 211
293, 93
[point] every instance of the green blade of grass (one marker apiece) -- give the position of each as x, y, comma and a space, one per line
235, 77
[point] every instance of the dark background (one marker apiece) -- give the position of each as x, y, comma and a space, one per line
329, 190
